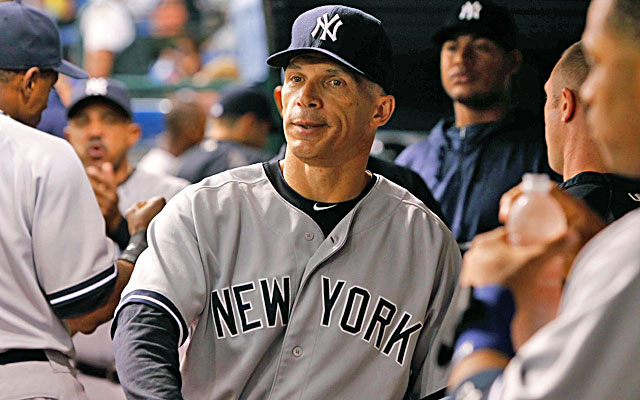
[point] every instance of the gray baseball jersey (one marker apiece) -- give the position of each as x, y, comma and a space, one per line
56, 261
276, 310
592, 349
142, 185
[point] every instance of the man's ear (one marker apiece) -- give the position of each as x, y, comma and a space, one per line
384, 110
28, 83
569, 102
135, 132
277, 96
515, 57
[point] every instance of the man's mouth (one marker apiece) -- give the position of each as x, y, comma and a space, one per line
308, 124
96, 150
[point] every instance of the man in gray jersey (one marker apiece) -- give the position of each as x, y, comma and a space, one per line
58, 272
591, 349
308, 277
101, 131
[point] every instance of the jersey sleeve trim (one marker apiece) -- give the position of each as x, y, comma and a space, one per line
158, 301
75, 299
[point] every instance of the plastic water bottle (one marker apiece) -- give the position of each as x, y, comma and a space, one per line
535, 216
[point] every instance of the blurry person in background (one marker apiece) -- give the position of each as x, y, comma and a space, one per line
239, 125
185, 129
470, 160
107, 28
101, 131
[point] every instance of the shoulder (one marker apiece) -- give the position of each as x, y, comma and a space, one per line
393, 199
44, 152
248, 177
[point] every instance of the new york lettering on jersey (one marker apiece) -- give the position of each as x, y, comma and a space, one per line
236, 310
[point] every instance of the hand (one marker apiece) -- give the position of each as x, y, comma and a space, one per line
104, 186
579, 216
492, 260
140, 214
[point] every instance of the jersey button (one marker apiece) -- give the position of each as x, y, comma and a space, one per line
308, 235
297, 351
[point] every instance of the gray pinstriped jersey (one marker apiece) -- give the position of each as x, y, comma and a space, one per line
277, 310
53, 251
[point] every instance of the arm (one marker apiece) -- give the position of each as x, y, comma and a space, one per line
492, 261
146, 351
139, 216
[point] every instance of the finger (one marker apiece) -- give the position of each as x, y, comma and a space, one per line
156, 204
499, 233
108, 172
506, 201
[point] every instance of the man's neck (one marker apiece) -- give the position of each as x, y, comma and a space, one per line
573, 165
325, 184
466, 115
122, 173
580, 151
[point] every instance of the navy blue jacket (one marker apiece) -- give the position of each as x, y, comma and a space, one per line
468, 169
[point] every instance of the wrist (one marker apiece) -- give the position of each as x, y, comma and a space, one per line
137, 244
486, 323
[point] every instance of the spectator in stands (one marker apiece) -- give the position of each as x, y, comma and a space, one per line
573, 152
185, 128
107, 28
591, 350
469, 161
240, 123
101, 131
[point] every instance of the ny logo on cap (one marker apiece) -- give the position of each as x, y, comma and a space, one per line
96, 87
470, 11
326, 25
634, 196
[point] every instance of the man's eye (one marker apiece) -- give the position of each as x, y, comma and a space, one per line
336, 82
296, 79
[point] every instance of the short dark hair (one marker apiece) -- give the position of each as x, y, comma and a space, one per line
7, 74
182, 115
573, 66
625, 19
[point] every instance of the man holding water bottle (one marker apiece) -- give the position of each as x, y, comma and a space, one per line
591, 349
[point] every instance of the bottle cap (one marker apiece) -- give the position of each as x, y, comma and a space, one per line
536, 183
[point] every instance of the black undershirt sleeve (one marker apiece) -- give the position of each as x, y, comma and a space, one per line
145, 345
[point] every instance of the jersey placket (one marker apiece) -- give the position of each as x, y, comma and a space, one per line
301, 332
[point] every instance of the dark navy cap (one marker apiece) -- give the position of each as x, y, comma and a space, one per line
109, 90
240, 100
480, 17
30, 38
349, 36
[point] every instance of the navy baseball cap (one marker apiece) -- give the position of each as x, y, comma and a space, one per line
109, 90
347, 35
29, 38
480, 17
239, 100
